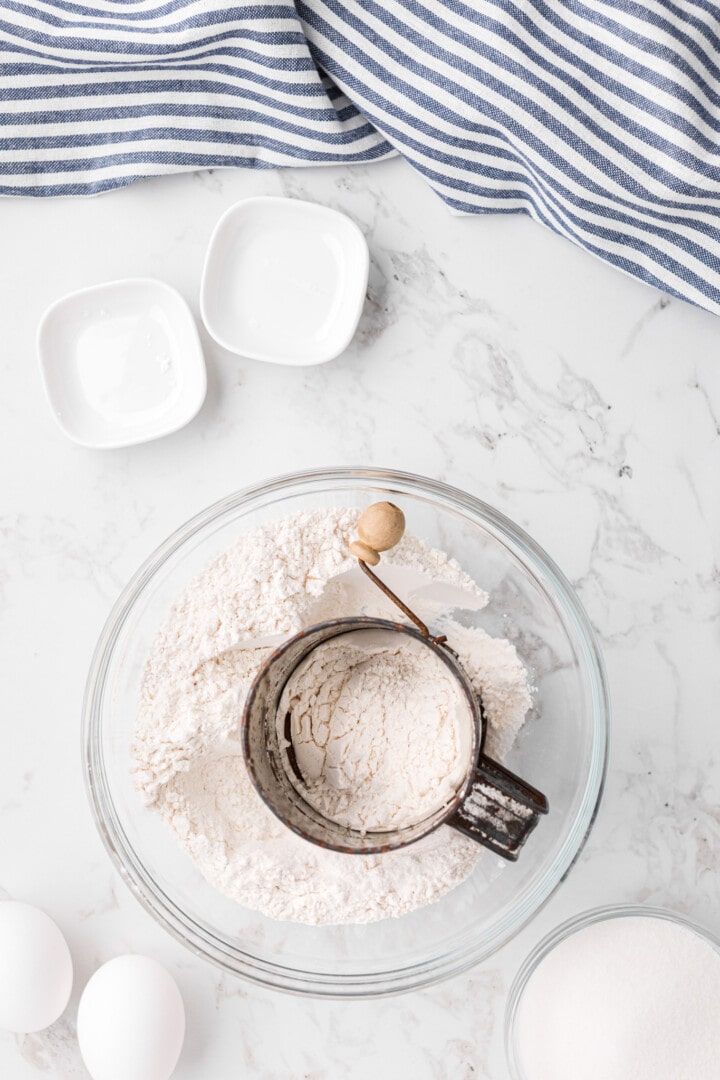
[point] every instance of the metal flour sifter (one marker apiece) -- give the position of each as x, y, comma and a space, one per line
492, 805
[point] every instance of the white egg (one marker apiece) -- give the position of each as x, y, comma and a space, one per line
36, 971
131, 1021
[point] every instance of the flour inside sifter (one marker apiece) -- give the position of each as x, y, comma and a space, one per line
379, 730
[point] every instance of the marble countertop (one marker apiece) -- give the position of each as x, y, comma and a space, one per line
583, 404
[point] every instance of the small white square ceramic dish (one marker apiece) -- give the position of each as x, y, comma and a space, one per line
284, 281
122, 363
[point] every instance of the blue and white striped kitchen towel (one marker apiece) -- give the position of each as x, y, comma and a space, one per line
600, 118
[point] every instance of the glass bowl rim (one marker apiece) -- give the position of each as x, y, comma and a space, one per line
362, 984
565, 930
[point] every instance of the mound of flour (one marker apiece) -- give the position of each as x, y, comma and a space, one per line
187, 757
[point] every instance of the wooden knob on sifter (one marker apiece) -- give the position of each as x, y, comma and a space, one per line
380, 528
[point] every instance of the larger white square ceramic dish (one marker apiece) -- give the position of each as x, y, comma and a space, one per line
122, 363
284, 281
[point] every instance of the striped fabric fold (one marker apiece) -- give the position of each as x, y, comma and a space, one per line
599, 118
96, 95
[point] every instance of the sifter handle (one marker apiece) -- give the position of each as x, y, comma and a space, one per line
500, 810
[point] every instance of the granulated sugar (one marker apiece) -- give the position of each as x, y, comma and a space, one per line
187, 756
629, 998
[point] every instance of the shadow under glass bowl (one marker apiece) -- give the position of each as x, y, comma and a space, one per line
562, 749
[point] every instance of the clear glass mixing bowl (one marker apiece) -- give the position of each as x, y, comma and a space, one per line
562, 748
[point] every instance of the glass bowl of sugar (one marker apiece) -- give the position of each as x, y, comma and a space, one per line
164, 765
625, 992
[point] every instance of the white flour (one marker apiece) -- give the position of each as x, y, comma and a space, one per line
187, 756
380, 730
